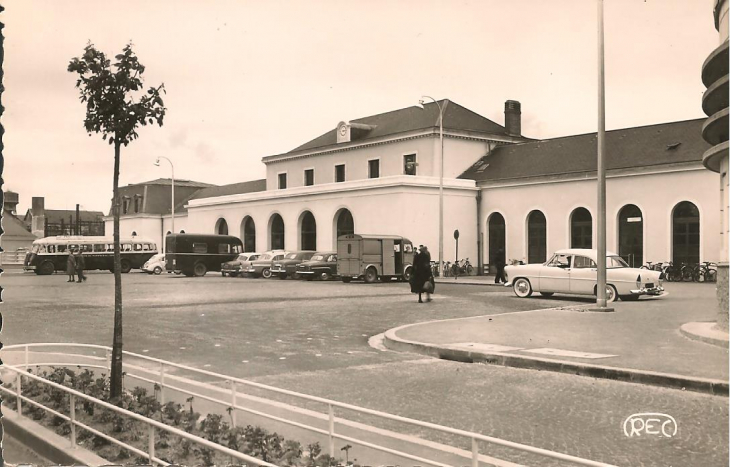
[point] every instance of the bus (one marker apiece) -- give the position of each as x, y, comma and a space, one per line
370, 257
48, 255
196, 254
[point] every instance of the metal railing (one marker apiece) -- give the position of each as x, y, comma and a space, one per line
232, 403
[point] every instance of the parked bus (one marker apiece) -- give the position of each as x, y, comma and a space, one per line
371, 257
48, 255
196, 254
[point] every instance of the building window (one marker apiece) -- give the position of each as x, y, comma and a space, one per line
248, 233
409, 164
497, 241
276, 231
374, 168
308, 235
125, 204
340, 173
221, 227
282, 181
309, 177
137, 203
631, 235
536, 237
581, 229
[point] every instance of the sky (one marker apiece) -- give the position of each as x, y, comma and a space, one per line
249, 79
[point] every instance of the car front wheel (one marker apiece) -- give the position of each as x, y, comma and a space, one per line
522, 288
266, 273
611, 294
157, 271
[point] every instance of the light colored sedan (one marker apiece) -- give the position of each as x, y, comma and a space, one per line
574, 271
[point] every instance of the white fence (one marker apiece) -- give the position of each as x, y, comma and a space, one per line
161, 371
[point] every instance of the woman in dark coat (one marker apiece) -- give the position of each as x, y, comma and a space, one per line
421, 273
71, 266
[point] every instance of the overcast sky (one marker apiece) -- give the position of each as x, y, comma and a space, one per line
248, 79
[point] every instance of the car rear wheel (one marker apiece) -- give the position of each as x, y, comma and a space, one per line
157, 271
522, 287
611, 294
371, 275
266, 273
199, 270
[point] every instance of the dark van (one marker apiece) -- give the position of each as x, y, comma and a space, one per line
196, 254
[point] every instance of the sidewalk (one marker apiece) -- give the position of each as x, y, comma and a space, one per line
468, 280
639, 342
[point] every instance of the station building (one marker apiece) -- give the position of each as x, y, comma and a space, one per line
501, 190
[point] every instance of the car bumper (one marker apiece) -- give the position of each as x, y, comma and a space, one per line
236, 271
28, 268
658, 290
278, 270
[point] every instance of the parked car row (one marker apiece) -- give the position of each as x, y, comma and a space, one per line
283, 264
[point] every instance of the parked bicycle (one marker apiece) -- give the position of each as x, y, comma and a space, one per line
705, 272
462, 268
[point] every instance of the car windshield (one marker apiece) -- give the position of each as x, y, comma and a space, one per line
263, 257
318, 258
292, 256
242, 257
614, 262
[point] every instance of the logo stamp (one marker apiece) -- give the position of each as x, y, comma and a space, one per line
650, 425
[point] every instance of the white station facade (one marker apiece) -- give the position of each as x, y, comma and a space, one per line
502, 191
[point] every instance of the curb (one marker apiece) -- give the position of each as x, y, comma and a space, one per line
688, 332
46, 443
467, 282
666, 380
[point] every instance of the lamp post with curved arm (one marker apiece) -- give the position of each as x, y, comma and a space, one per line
172, 198
441, 182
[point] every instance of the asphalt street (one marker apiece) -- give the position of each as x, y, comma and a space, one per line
312, 337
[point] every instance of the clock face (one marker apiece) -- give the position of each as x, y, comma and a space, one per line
343, 130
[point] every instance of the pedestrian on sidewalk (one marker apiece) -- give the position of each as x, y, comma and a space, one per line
422, 274
500, 263
71, 266
80, 264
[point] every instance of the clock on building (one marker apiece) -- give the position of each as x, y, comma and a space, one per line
343, 130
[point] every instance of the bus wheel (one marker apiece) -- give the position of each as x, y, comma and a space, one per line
371, 275
199, 270
46, 269
126, 266
407, 275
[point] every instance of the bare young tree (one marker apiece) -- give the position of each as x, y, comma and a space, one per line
115, 106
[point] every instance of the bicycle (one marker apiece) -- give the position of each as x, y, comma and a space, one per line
705, 272
462, 267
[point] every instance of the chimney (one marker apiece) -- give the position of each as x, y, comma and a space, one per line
512, 118
38, 216
10, 201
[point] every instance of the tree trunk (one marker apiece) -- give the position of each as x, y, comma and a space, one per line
116, 370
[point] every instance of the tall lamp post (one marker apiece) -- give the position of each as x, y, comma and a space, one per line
441, 182
172, 197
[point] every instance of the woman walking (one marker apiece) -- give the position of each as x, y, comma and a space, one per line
71, 267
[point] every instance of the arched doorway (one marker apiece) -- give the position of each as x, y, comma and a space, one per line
276, 232
248, 234
685, 233
631, 235
536, 237
221, 227
344, 223
307, 231
581, 229
497, 247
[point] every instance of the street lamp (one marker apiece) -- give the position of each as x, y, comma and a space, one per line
172, 198
441, 182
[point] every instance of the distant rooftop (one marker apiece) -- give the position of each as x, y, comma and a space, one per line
178, 182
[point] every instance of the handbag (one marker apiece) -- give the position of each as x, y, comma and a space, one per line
428, 286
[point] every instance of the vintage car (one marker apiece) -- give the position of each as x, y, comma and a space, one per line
233, 268
574, 271
287, 266
261, 267
323, 265
155, 265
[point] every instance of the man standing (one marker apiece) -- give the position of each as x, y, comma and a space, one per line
71, 266
499, 278
80, 264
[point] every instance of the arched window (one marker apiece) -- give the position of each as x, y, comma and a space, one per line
248, 234
134, 233
169, 233
686, 233
308, 231
581, 229
182, 231
536, 237
345, 223
496, 241
276, 230
221, 227
631, 235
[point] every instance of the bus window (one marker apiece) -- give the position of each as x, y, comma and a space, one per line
200, 247
87, 248
51, 248
146, 247
60, 248
137, 247
224, 248
70, 247
237, 248
153, 246
408, 248
127, 247
99, 247
109, 247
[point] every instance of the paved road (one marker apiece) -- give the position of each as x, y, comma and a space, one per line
312, 338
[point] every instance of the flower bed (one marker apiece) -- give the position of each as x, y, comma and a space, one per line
251, 440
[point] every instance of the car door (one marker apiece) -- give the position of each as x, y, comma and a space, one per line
555, 275
583, 275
